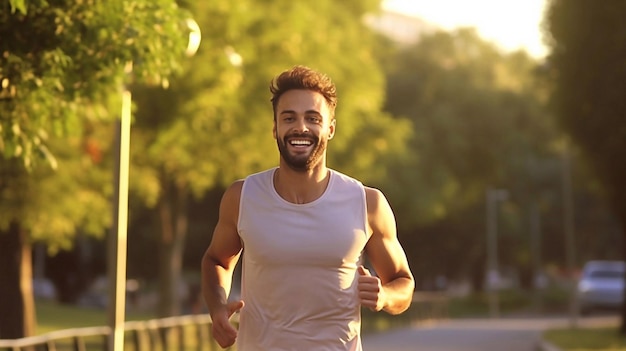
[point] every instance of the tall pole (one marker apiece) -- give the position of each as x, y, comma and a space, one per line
118, 237
493, 196
568, 227
535, 250
492, 255
117, 243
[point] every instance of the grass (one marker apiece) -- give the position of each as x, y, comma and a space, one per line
586, 339
53, 316
477, 305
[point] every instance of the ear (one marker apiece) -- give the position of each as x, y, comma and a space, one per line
331, 129
274, 130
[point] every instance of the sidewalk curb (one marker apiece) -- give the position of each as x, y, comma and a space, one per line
546, 346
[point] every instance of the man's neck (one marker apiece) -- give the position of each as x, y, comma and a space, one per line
301, 187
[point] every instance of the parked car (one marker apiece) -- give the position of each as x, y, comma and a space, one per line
601, 286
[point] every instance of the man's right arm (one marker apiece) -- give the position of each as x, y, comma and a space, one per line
218, 264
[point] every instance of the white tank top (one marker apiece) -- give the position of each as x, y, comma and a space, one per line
299, 267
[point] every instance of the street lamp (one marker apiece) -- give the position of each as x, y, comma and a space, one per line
195, 36
568, 227
493, 196
118, 238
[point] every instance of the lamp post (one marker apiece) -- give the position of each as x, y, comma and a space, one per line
118, 238
568, 228
493, 196
535, 251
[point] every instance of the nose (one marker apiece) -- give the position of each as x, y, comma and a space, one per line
301, 126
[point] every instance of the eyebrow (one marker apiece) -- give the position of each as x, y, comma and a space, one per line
307, 112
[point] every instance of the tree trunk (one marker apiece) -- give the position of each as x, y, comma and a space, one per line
174, 223
17, 319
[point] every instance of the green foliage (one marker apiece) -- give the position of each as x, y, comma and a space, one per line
62, 67
587, 67
59, 57
477, 119
56, 204
18, 6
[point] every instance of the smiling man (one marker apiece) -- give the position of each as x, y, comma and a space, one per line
304, 230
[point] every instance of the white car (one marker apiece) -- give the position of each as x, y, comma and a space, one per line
601, 286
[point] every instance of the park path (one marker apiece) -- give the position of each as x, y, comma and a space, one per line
504, 334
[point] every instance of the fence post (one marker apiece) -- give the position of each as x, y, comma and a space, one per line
79, 344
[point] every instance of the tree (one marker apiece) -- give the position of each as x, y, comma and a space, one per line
588, 44
61, 63
44, 205
214, 124
478, 120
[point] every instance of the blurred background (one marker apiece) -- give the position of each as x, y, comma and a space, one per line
492, 127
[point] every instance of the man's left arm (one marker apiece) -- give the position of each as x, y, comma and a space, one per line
392, 288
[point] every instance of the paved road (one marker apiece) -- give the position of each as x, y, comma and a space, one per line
507, 334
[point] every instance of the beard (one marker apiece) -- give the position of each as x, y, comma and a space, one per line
302, 163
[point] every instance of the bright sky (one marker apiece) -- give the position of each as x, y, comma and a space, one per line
511, 24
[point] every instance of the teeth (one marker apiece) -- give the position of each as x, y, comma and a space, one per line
300, 142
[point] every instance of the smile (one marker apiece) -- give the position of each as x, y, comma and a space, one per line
300, 142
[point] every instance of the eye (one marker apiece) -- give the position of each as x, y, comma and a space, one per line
315, 119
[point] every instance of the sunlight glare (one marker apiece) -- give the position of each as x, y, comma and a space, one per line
510, 24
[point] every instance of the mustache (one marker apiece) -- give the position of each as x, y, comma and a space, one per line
301, 136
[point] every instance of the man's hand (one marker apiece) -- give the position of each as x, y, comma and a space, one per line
223, 332
371, 293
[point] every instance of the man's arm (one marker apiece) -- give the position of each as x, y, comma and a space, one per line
218, 264
392, 289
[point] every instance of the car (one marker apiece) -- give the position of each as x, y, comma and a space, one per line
601, 286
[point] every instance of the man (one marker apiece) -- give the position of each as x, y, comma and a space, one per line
303, 229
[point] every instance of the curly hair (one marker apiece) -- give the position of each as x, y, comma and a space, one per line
301, 77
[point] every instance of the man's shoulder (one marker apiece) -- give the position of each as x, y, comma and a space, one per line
345, 178
232, 193
256, 184
235, 190
372, 194
259, 175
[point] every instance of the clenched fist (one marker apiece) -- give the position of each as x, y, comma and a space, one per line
223, 331
371, 293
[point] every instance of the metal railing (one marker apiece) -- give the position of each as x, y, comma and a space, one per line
49, 341
428, 307
190, 332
